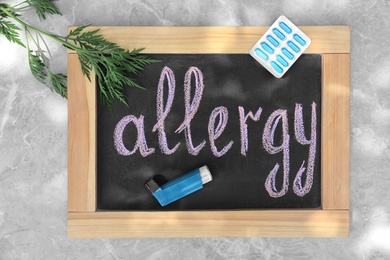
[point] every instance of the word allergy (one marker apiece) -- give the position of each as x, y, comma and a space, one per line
215, 130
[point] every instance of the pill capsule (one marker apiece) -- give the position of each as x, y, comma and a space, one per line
261, 54
276, 67
272, 40
279, 34
299, 39
285, 27
293, 46
281, 60
288, 54
267, 48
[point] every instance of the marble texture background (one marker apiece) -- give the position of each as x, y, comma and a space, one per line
33, 135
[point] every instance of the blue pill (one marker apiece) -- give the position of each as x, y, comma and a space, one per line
282, 60
261, 54
276, 67
272, 40
267, 48
288, 54
279, 34
299, 39
293, 46
285, 27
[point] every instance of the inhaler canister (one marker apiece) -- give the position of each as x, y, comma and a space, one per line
179, 187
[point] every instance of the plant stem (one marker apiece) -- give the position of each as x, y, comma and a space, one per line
13, 7
27, 45
39, 50
52, 36
57, 38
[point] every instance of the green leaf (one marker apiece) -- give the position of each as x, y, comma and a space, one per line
37, 67
112, 65
10, 31
43, 7
110, 62
59, 84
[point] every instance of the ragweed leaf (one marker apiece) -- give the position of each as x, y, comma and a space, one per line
37, 66
10, 31
43, 7
58, 82
110, 62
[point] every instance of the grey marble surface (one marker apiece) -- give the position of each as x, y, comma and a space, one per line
33, 135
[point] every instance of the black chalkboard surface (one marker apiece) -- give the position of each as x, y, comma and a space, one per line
239, 84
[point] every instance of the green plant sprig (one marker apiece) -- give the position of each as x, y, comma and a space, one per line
110, 62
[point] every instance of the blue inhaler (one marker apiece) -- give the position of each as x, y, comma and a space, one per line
179, 187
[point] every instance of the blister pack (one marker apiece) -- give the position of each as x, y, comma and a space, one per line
280, 46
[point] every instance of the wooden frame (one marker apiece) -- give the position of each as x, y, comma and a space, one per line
332, 220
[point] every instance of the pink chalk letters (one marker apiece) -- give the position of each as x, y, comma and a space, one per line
268, 143
163, 113
191, 107
218, 121
214, 133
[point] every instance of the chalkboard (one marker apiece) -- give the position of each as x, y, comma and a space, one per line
233, 86
119, 206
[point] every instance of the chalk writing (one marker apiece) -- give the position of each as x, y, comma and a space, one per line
141, 141
161, 112
191, 107
268, 143
218, 121
300, 136
244, 126
222, 112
